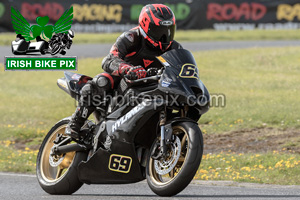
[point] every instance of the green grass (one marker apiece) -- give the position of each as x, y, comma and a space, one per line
12, 160
261, 86
269, 168
183, 35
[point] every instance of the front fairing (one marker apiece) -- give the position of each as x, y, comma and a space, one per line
181, 77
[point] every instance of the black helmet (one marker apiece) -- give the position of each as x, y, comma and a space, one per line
157, 24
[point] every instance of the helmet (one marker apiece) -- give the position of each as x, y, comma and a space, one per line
71, 34
157, 25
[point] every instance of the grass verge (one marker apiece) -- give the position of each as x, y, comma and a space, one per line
269, 168
259, 87
12, 160
183, 35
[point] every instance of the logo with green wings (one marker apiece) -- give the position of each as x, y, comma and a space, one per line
30, 32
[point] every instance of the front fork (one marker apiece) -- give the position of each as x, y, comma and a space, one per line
163, 119
166, 136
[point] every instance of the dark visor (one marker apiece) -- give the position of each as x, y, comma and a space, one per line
162, 33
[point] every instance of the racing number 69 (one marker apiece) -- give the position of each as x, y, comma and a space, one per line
119, 163
189, 71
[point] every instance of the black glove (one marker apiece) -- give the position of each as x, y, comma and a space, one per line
137, 72
124, 69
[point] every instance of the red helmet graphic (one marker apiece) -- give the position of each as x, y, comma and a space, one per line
157, 24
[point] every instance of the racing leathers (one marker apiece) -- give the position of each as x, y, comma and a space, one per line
131, 55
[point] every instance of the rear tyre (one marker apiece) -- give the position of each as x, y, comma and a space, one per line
63, 178
170, 176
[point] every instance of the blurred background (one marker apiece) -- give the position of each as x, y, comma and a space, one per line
246, 50
117, 16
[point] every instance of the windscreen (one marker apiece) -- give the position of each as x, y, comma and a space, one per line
182, 62
179, 57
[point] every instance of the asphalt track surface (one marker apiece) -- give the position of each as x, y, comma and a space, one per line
100, 50
21, 187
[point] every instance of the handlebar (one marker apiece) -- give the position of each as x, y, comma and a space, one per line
145, 80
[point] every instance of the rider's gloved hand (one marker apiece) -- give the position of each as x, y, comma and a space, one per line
137, 72
124, 69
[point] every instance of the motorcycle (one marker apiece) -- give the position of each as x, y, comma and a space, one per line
59, 45
151, 138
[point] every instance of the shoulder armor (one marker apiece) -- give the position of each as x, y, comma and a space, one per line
131, 36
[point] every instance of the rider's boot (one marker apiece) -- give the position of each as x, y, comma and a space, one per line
77, 121
82, 112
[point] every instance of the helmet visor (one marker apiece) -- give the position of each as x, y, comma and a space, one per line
162, 33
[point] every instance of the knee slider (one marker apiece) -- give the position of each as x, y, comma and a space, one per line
102, 83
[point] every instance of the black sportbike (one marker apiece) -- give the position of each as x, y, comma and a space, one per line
155, 138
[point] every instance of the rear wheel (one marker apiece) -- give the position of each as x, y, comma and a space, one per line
169, 176
58, 174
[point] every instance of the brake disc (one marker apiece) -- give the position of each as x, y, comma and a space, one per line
164, 166
55, 161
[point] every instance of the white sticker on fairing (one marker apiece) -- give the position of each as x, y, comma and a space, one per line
166, 82
128, 116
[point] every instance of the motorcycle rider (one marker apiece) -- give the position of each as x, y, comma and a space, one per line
66, 38
133, 53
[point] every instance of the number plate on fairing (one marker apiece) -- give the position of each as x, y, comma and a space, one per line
189, 71
119, 163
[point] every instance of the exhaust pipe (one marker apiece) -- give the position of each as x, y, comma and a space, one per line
69, 148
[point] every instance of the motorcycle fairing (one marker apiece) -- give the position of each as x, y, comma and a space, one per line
125, 130
97, 169
181, 77
123, 143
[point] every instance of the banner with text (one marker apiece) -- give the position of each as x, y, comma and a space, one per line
119, 16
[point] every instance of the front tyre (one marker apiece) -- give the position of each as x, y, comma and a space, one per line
169, 176
58, 174
55, 49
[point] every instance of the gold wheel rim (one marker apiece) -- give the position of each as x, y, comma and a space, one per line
49, 173
163, 180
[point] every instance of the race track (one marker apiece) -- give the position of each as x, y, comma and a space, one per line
21, 187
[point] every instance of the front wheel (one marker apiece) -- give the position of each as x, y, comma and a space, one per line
55, 49
170, 175
58, 174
